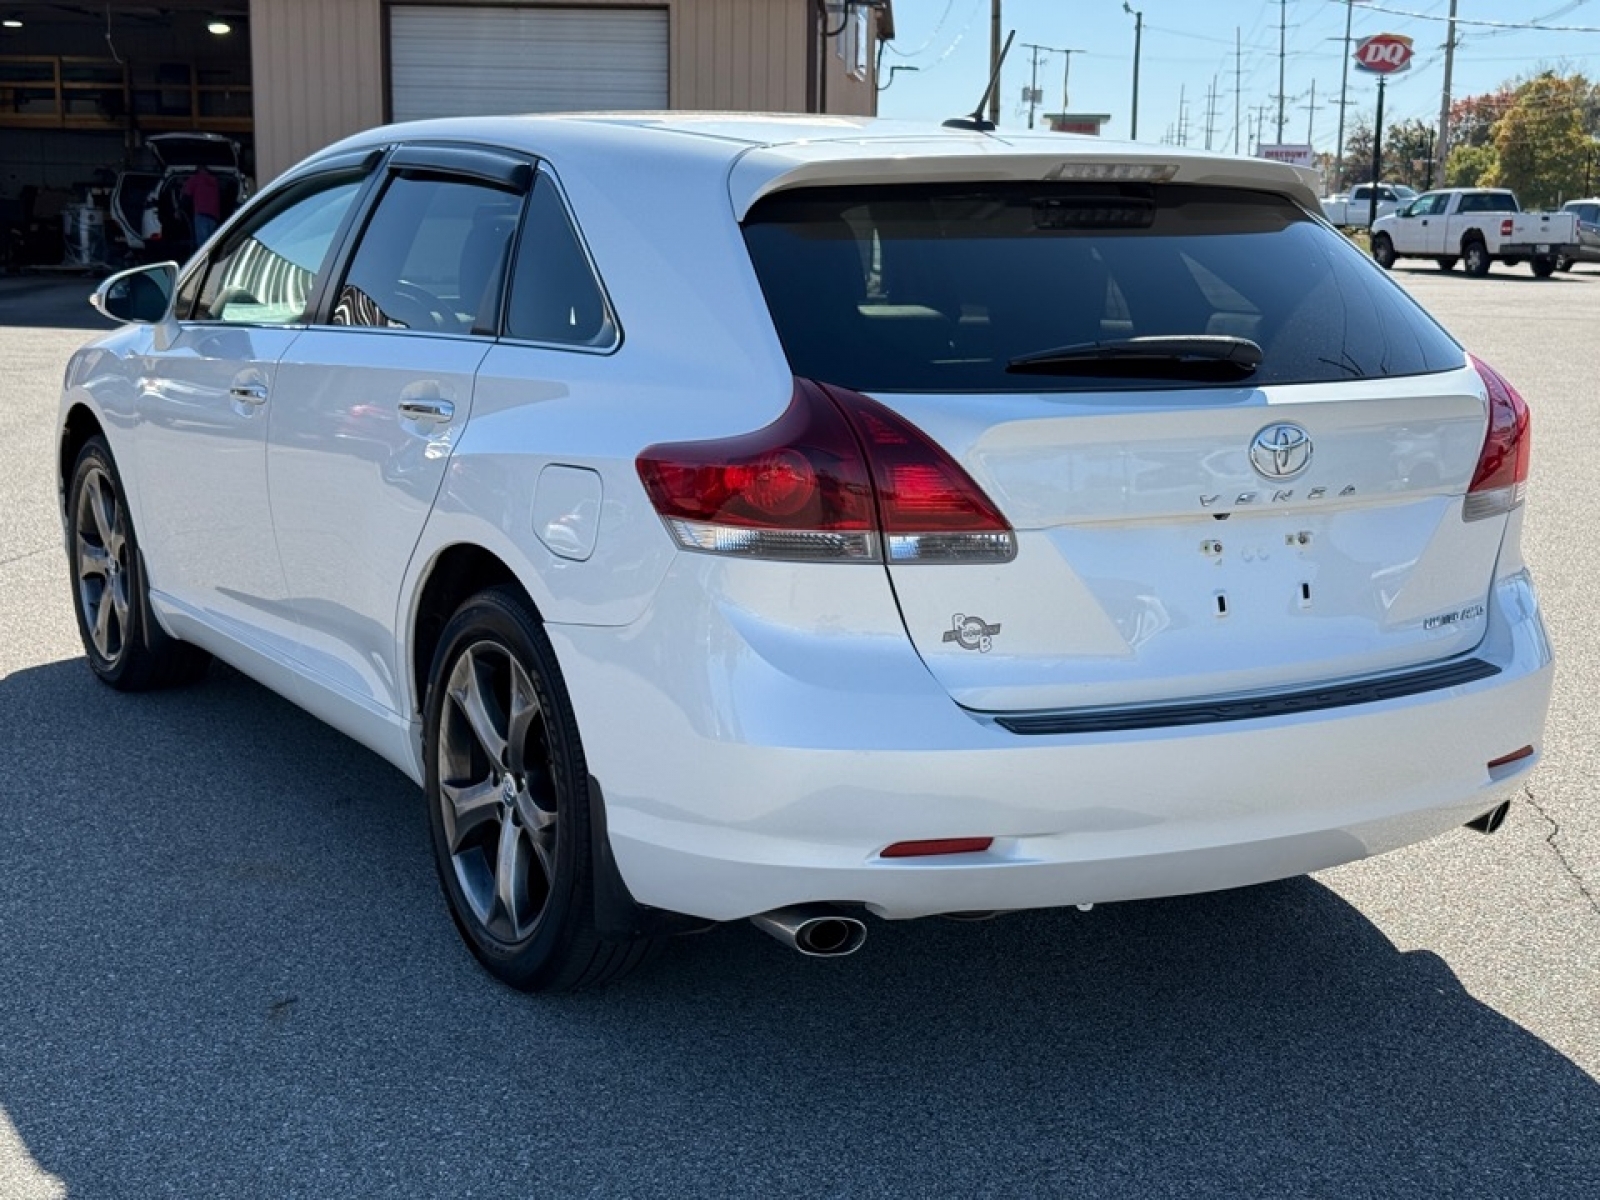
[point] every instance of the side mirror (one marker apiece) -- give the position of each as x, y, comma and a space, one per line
141, 296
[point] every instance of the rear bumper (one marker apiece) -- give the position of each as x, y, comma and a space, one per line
745, 772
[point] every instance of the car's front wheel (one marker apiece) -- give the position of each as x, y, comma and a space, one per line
1448, 263
124, 645
508, 803
1383, 251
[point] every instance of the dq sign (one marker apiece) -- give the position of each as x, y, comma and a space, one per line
1384, 53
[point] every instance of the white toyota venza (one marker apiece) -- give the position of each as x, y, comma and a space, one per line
799, 519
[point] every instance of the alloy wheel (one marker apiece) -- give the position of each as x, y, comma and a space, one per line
497, 791
100, 547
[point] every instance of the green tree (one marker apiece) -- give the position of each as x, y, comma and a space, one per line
1470, 166
1540, 143
1357, 154
1408, 154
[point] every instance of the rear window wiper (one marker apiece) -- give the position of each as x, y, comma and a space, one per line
1202, 356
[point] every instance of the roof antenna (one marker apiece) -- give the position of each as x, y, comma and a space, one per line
977, 120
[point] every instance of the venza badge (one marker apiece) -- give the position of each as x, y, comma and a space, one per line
1281, 451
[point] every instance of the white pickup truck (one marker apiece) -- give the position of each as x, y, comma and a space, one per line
1353, 209
1477, 227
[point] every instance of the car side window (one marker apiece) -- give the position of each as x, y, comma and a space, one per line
432, 258
555, 295
266, 272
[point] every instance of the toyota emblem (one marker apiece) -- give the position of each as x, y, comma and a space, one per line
1281, 451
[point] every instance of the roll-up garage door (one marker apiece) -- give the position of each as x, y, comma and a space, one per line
462, 60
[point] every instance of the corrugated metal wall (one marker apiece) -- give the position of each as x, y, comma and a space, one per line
317, 72
319, 65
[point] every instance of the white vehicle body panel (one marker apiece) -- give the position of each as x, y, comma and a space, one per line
761, 730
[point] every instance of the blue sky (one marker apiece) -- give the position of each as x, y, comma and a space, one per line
1189, 44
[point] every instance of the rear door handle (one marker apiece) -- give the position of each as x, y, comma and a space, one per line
250, 393
427, 409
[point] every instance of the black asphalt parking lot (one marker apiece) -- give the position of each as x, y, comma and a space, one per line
226, 970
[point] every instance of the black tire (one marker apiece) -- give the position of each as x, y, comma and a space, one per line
1542, 266
1383, 251
1447, 263
124, 644
1563, 262
1475, 258
505, 768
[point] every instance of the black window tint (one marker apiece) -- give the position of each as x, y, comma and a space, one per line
555, 296
432, 258
938, 287
266, 272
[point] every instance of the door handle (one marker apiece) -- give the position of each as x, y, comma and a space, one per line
429, 409
250, 393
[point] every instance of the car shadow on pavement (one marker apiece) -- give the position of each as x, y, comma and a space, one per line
227, 971
52, 302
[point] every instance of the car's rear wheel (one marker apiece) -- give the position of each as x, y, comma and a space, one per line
1543, 266
1563, 262
1475, 258
125, 646
1383, 251
1447, 263
508, 803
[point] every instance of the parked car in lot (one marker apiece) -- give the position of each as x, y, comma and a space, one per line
1586, 248
1353, 209
1477, 227
148, 205
793, 519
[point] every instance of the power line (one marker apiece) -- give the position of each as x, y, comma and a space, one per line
1505, 25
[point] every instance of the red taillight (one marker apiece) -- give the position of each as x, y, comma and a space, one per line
1501, 478
1506, 227
971, 845
837, 476
799, 488
929, 507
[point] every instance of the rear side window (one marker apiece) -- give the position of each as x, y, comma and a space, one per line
555, 297
936, 288
432, 258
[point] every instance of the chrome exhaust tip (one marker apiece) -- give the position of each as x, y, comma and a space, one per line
1491, 820
815, 930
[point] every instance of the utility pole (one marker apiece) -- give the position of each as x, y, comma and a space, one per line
1344, 94
1311, 115
1138, 39
994, 60
1183, 115
1066, 78
1238, 88
1443, 144
1211, 111
1033, 86
1283, 14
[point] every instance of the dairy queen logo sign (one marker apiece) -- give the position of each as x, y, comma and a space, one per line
1384, 53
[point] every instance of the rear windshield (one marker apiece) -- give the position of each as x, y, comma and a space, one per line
936, 288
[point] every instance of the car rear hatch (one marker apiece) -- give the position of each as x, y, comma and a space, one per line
194, 150
1189, 522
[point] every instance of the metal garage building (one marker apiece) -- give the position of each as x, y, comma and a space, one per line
324, 68
84, 83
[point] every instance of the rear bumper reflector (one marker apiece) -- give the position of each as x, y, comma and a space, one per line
971, 845
1207, 712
